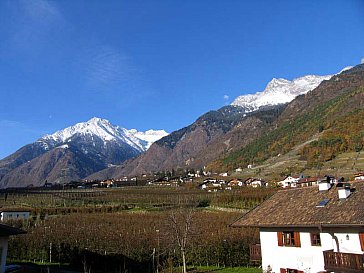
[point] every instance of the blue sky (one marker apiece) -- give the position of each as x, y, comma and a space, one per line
158, 64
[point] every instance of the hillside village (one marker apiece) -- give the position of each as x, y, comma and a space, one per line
205, 181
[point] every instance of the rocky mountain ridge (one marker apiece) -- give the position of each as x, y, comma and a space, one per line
73, 153
279, 91
217, 134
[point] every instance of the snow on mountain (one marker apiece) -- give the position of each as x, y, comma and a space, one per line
279, 91
107, 132
149, 136
345, 68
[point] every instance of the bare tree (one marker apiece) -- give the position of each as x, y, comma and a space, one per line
86, 267
180, 223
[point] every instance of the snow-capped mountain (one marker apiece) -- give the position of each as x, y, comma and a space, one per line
104, 130
74, 153
279, 91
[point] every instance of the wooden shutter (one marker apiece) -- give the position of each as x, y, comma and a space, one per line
361, 238
297, 241
280, 238
283, 270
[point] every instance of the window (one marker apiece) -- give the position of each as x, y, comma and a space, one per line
288, 270
315, 239
289, 238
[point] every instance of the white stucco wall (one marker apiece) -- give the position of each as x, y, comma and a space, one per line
349, 246
15, 215
306, 258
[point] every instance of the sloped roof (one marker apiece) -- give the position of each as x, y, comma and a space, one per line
309, 179
298, 207
15, 209
6, 230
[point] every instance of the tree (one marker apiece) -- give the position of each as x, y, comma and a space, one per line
181, 227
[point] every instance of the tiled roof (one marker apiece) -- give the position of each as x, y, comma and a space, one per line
17, 209
6, 230
308, 179
298, 207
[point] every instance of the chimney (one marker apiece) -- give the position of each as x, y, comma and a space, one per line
324, 185
344, 192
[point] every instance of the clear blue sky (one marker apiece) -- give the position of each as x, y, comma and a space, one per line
158, 64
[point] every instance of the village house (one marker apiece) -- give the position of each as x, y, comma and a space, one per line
312, 229
212, 184
258, 183
5, 232
359, 176
186, 179
289, 182
204, 185
14, 214
255, 183
108, 183
235, 183
308, 182
166, 181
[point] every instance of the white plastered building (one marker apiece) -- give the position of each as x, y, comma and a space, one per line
314, 229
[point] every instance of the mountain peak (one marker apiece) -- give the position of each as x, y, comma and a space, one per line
104, 130
277, 82
279, 91
97, 120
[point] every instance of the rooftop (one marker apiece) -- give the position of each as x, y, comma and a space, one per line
17, 209
6, 230
299, 207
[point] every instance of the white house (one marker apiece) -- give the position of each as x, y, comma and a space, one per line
312, 229
258, 183
14, 214
5, 232
289, 182
359, 176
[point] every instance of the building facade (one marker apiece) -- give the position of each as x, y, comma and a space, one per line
14, 214
315, 229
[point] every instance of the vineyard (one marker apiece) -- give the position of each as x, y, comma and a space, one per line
128, 229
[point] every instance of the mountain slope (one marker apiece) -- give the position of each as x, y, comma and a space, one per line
218, 132
192, 147
338, 100
73, 153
